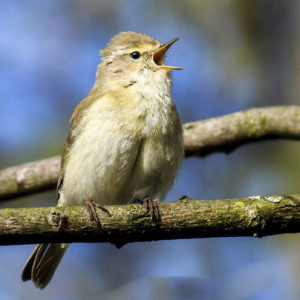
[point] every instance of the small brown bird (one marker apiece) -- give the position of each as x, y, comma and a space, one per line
125, 143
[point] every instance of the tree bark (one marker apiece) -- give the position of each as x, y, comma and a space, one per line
225, 134
201, 138
254, 216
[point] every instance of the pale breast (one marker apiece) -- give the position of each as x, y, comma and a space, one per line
124, 151
161, 150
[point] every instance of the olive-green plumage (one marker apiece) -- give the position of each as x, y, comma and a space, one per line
125, 143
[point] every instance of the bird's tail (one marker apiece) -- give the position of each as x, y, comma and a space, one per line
43, 262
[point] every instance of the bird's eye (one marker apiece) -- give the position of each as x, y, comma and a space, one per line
135, 55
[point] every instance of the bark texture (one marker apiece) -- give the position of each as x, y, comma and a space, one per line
254, 216
225, 134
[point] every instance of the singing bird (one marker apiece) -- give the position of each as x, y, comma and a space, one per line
125, 143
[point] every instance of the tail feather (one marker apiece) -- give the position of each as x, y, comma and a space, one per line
26, 273
43, 262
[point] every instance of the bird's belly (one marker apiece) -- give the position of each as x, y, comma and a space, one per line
156, 167
121, 172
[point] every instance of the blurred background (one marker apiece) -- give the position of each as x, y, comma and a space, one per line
236, 54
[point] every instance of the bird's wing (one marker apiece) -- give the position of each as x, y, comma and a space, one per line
74, 121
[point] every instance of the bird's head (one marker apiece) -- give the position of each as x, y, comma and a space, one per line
130, 56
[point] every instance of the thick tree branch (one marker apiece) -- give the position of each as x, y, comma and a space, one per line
221, 134
254, 216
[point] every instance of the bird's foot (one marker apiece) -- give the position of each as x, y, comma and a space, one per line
91, 208
153, 208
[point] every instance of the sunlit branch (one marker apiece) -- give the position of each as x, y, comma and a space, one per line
226, 133
255, 216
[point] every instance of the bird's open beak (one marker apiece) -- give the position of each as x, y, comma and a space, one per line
158, 56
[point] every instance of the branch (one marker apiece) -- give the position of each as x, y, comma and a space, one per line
31, 177
225, 134
255, 216
221, 134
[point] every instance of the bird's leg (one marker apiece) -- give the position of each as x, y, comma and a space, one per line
152, 207
91, 208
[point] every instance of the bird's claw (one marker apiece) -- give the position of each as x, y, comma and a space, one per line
153, 208
91, 208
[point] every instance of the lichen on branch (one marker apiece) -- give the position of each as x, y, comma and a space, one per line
254, 216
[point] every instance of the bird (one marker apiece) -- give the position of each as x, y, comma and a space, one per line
125, 143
